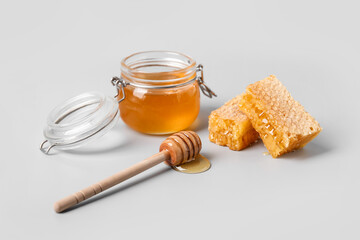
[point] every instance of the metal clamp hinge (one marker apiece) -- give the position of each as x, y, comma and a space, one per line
200, 78
120, 84
47, 149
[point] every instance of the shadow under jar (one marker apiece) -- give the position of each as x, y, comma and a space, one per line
158, 91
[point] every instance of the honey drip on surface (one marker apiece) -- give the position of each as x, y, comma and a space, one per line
198, 165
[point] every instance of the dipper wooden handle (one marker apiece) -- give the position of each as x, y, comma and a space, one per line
179, 148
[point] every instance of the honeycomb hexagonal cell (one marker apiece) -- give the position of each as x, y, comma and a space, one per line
282, 122
228, 126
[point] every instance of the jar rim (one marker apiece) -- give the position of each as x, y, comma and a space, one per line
79, 120
178, 63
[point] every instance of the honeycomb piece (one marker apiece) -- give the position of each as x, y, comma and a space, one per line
228, 126
282, 122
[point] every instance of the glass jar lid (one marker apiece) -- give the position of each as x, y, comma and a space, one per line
79, 120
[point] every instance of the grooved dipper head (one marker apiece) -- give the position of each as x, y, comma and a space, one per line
183, 147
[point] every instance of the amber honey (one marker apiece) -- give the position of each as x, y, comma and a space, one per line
198, 165
154, 102
160, 112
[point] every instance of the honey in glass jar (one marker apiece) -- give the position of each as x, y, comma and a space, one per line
158, 91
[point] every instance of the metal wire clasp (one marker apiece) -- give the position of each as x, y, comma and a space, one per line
119, 83
44, 149
200, 78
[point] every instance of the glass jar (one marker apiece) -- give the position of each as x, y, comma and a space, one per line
159, 92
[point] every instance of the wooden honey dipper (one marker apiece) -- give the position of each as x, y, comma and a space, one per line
177, 149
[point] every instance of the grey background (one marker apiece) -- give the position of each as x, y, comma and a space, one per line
53, 50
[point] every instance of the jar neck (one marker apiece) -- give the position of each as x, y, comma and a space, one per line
158, 68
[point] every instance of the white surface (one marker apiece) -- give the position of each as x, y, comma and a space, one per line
54, 50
